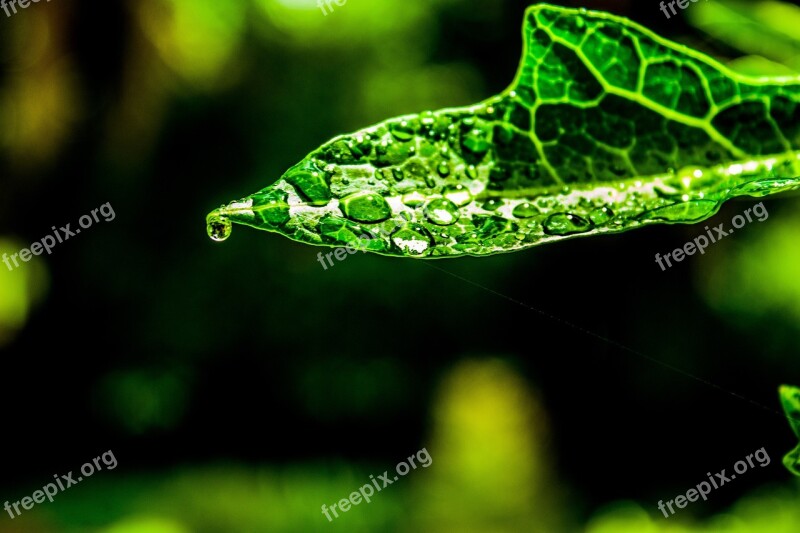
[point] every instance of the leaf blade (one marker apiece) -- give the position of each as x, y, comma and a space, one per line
790, 400
606, 127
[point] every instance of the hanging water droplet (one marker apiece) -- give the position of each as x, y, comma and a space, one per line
566, 224
458, 194
218, 227
442, 212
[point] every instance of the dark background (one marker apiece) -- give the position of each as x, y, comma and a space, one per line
182, 355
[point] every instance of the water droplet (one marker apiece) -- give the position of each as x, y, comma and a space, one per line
475, 141
492, 204
601, 215
310, 182
414, 199
366, 206
416, 169
458, 194
359, 146
443, 169
566, 224
442, 212
412, 239
402, 131
487, 227
389, 153
471, 172
666, 190
218, 227
525, 210
398, 174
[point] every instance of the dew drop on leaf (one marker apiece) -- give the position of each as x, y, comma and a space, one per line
412, 239
458, 194
442, 212
366, 207
525, 210
566, 224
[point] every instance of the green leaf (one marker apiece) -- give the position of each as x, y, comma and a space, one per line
790, 399
607, 127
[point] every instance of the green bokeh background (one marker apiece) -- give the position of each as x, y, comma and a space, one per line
241, 386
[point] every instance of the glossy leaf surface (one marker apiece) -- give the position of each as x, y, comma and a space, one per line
607, 127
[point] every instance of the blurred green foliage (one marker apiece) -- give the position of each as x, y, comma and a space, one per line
242, 389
